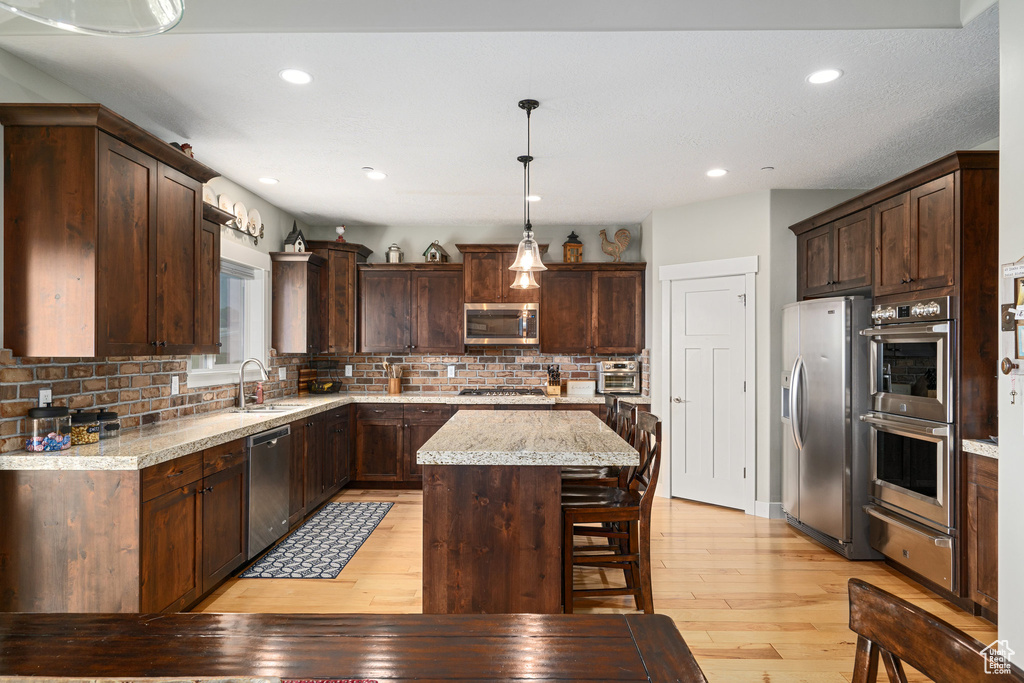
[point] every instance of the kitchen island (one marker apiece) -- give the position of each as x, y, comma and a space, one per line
492, 507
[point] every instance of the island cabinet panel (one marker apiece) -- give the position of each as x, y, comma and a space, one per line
565, 312
379, 442
208, 289
297, 303
113, 260
340, 284
171, 550
982, 534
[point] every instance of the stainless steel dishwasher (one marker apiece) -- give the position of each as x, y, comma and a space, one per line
269, 454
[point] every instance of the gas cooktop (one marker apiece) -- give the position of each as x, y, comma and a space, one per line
502, 391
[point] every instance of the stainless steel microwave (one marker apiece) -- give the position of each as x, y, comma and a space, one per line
502, 324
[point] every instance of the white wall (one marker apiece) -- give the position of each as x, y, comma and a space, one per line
277, 222
1011, 248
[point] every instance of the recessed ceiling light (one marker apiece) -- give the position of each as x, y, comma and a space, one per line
824, 76
717, 172
269, 181
374, 175
533, 198
296, 76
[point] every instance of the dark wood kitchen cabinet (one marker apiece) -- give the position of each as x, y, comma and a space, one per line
208, 289
340, 282
225, 511
411, 308
379, 446
337, 436
593, 308
487, 277
836, 257
321, 454
982, 533
297, 472
171, 549
422, 420
297, 300
116, 257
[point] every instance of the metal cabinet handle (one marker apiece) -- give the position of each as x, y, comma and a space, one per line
940, 541
163, 343
176, 474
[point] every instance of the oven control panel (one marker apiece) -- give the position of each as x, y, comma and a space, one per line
939, 308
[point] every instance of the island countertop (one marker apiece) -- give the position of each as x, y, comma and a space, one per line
526, 437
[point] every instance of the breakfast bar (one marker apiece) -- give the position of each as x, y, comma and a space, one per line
492, 506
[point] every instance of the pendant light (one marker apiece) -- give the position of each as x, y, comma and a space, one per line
528, 255
102, 18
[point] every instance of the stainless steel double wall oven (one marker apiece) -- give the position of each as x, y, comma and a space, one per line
913, 447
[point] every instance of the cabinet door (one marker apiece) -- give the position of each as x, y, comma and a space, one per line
315, 484
422, 420
378, 450
208, 289
891, 220
179, 212
565, 312
314, 303
853, 239
483, 277
171, 538
297, 474
437, 312
341, 304
225, 523
815, 251
337, 457
125, 250
517, 296
983, 531
384, 311
933, 223
618, 313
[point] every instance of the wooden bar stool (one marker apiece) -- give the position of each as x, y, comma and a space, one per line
620, 514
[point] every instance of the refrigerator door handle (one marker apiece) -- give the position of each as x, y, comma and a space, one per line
794, 402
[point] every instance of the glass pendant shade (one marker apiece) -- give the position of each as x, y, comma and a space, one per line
524, 280
528, 255
102, 17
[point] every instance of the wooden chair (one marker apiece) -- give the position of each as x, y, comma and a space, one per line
623, 421
620, 514
895, 631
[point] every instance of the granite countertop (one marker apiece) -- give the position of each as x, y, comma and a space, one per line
526, 437
986, 448
153, 444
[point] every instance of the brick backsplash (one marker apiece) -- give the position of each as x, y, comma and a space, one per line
138, 388
480, 366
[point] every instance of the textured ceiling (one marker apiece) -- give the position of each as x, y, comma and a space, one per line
629, 121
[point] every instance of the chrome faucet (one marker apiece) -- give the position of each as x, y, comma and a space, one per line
241, 378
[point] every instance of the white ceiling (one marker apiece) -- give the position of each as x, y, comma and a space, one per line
629, 121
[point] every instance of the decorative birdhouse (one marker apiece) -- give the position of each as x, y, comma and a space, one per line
295, 240
435, 253
572, 249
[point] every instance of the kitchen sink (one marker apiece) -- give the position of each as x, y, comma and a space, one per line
269, 408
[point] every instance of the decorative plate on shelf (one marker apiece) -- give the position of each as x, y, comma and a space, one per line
241, 216
209, 196
255, 222
225, 203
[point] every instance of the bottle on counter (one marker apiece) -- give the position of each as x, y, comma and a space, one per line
110, 424
85, 428
49, 429
259, 393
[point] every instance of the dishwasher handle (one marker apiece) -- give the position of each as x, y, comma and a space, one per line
267, 437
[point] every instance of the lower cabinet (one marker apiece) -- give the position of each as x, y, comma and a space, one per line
320, 458
982, 535
422, 421
388, 436
193, 526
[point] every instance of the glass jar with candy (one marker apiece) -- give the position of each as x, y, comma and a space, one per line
49, 429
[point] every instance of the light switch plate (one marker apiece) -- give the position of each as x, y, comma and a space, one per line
451, 371
282, 374
175, 386
348, 370
45, 397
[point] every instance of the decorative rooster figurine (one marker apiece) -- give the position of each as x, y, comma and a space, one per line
615, 249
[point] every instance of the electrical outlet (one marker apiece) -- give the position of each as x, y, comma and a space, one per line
451, 371
45, 397
175, 386
282, 374
348, 370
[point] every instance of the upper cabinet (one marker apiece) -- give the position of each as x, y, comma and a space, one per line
836, 257
487, 277
106, 253
592, 308
411, 308
340, 284
297, 302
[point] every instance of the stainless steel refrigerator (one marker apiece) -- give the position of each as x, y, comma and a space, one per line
825, 448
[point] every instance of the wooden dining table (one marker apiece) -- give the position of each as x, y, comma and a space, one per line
492, 513
368, 647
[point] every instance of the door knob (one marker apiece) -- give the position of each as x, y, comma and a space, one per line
676, 399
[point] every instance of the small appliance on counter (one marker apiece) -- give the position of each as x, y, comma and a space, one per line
580, 387
618, 377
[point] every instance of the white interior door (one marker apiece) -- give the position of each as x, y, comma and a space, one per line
707, 393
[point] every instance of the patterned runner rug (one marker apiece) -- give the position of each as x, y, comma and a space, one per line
320, 548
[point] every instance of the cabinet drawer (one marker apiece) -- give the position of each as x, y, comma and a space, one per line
222, 457
167, 476
427, 412
380, 411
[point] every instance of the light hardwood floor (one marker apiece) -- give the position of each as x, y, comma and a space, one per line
756, 601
